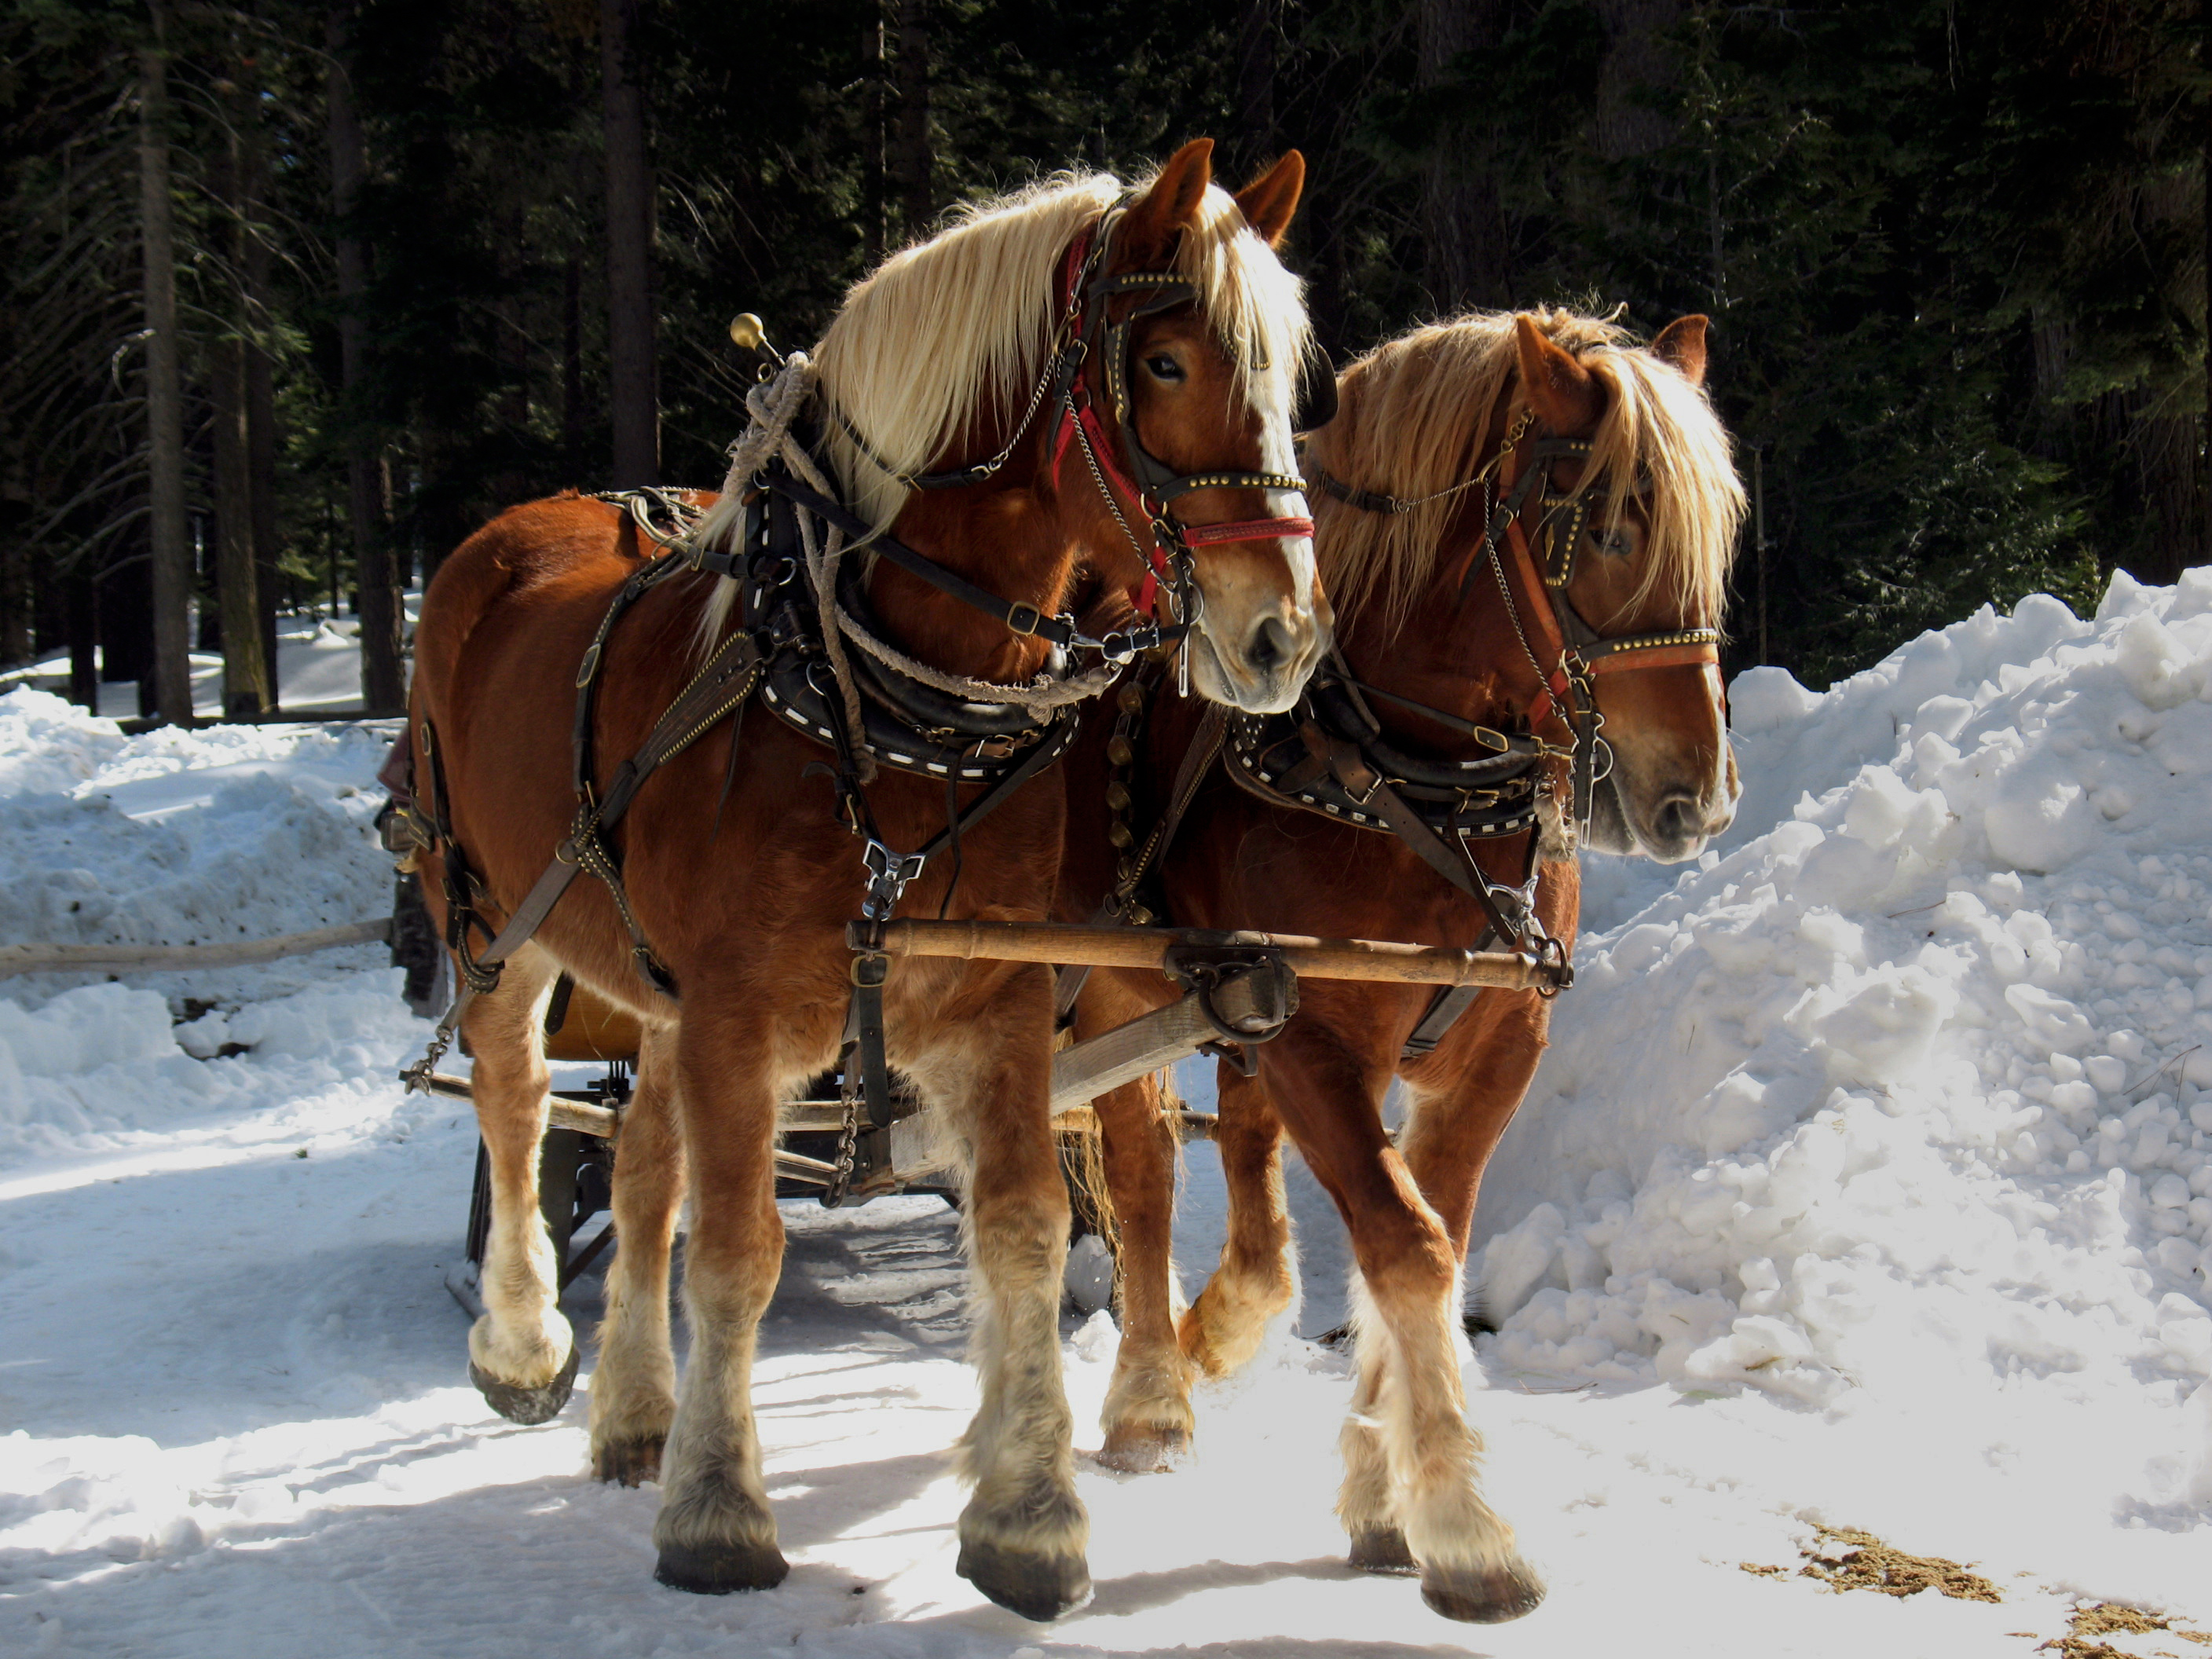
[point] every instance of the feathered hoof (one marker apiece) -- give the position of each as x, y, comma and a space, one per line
1041, 1588
1144, 1448
1483, 1596
527, 1406
628, 1462
1381, 1549
720, 1569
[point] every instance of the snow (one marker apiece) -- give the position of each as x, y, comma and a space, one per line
1867, 1183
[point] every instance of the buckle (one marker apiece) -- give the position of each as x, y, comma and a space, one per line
1024, 617
888, 874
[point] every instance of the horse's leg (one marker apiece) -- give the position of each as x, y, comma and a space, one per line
1147, 1417
714, 1531
1408, 1332
1364, 1501
1457, 1123
522, 1353
1024, 1533
634, 1386
1258, 1275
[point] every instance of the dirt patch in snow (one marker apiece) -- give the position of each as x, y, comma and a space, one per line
1845, 1558
2090, 1624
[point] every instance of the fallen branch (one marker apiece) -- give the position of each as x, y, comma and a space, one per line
145, 958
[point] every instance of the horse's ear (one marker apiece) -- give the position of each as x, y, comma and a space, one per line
1565, 395
1157, 217
1682, 342
1269, 200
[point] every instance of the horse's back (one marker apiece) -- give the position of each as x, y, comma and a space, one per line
558, 553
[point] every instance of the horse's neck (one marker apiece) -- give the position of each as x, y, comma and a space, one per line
1464, 659
997, 536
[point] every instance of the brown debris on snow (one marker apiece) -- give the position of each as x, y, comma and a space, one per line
2109, 1618
1867, 1563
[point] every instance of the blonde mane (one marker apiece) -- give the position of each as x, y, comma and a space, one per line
962, 323
1415, 413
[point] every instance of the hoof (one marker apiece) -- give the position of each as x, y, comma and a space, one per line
1381, 1549
1488, 1596
527, 1406
1041, 1588
1144, 1449
720, 1569
628, 1462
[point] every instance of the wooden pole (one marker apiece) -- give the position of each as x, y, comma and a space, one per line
150, 958
1148, 947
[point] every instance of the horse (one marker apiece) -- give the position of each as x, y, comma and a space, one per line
1432, 788
996, 404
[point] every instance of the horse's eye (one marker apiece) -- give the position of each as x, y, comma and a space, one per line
1613, 542
1162, 366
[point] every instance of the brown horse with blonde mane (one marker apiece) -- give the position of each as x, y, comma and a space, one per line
1525, 523
741, 866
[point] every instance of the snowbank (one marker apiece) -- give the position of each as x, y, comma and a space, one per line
1907, 1088
182, 838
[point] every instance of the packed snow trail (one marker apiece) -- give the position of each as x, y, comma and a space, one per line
1787, 1234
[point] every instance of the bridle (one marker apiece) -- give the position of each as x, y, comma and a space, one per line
1117, 458
1579, 653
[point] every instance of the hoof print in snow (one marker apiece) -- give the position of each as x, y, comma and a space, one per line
1381, 1549
628, 1462
527, 1407
720, 1569
1489, 1595
1041, 1587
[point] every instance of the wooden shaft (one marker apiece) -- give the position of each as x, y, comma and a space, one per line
147, 958
1148, 947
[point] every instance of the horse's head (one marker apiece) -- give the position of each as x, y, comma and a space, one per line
1187, 486
1636, 535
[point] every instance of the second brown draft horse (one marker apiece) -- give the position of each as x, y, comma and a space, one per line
1525, 523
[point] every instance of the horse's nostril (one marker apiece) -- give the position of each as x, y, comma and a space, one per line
1271, 647
1679, 819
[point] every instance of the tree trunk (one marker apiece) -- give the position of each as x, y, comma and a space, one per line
913, 160
165, 401
1637, 63
1255, 142
872, 140
82, 598
1468, 260
632, 399
261, 433
246, 681
383, 683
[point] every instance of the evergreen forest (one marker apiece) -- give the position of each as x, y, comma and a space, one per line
294, 295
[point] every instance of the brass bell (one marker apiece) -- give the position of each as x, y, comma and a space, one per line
1117, 797
748, 330
1119, 835
1132, 700
1137, 916
1118, 751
